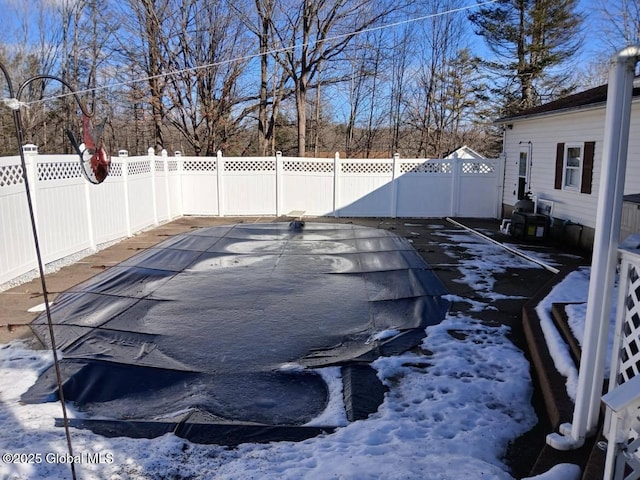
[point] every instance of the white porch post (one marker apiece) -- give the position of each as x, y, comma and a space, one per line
611, 191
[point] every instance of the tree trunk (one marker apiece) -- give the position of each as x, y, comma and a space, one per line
152, 31
301, 111
263, 143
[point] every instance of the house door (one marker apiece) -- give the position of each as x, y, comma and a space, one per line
524, 171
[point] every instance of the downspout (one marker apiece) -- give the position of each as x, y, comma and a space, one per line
605, 253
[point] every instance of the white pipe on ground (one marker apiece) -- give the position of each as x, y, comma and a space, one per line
515, 251
605, 253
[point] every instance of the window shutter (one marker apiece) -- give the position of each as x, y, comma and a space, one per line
559, 165
587, 167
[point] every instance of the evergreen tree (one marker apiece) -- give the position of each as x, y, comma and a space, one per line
531, 40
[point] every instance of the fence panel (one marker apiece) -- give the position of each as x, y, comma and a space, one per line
249, 186
16, 240
424, 188
478, 188
199, 184
108, 207
140, 193
306, 184
62, 212
364, 188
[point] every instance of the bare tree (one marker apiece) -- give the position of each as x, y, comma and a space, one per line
368, 63
620, 22
259, 18
432, 111
315, 32
141, 41
201, 86
399, 67
33, 48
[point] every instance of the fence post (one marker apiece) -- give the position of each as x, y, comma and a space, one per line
125, 185
220, 183
154, 193
394, 186
179, 185
278, 183
500, 163
336, 186
165, 169
456, 171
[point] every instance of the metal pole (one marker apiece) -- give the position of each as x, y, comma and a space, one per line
605, 253
15, 105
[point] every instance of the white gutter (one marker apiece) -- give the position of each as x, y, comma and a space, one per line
605, 253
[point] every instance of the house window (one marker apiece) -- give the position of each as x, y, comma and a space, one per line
572, 167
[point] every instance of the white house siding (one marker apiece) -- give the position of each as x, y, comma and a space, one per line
545, 132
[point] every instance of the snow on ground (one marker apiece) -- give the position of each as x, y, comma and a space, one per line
453, 407
573, 288
487, 260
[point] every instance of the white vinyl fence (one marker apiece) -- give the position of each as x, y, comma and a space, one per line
73, 215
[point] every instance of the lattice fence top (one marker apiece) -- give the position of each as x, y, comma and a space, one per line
425, 167
312, 167
250, 165
172, 165
139, 168
159, 165
115, 170
478, 167
11, 175
630, 345
59, 171
199, 166
368, 168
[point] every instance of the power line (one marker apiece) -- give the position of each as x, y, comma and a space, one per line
270, 52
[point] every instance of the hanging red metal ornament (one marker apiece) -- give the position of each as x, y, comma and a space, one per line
94, 158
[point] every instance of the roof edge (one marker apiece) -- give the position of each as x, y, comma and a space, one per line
587, 99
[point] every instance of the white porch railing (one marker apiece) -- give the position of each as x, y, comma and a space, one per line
143, 191
622, 422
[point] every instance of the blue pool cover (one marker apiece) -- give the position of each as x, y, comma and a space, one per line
197, 335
